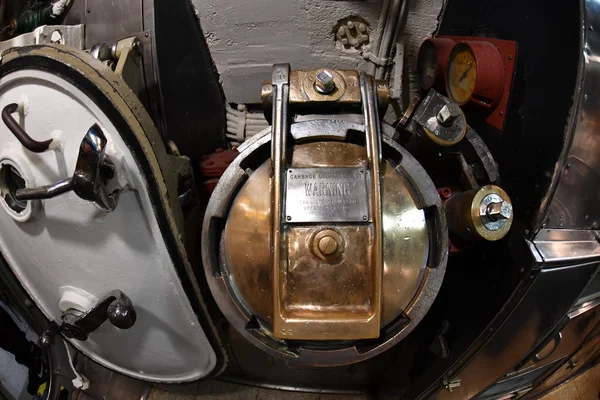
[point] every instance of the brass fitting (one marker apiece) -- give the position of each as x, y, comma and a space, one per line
483, 213
327, 245
325, 85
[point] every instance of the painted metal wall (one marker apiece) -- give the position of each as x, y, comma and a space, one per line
246, 37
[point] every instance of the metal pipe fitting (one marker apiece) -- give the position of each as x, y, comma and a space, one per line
482, 213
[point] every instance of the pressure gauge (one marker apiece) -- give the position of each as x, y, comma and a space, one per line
476, 74
462, 73
432, 61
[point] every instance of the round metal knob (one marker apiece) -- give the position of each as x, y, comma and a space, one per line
121, 315
46, 341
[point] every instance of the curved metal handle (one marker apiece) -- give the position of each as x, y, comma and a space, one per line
556, 340
27, 141
88, 181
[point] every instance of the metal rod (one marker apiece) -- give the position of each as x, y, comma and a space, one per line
368, 94
387, 36
369, 101
53, 388
44, 192
281, 87
26, 140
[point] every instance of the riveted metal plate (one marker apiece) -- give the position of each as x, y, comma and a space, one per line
326, 195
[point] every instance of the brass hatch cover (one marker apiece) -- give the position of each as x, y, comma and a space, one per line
327, 277
338, 236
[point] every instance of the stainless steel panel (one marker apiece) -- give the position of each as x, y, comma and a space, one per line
326, 195
574, 204
567, 245
570, 368
548, 300
515, 385
110, 20
564, 340
583, 308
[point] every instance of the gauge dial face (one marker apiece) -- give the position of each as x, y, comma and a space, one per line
427, 64
462, 73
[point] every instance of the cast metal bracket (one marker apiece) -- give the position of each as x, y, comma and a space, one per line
123, 57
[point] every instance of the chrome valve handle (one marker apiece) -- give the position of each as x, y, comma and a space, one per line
92, 172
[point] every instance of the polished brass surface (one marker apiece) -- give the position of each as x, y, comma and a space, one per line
477, 213
466, 214
436, 140
383, 91
302, 88
303, 309
328, 245
320, 283
342, 289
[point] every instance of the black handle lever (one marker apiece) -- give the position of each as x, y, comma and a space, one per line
114, 306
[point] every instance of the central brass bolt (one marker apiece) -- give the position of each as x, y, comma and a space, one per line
328, 245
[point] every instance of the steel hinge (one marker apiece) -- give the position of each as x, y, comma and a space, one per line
450, 385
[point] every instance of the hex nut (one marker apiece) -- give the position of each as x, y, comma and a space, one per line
499, 211
324, 82
448, 114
